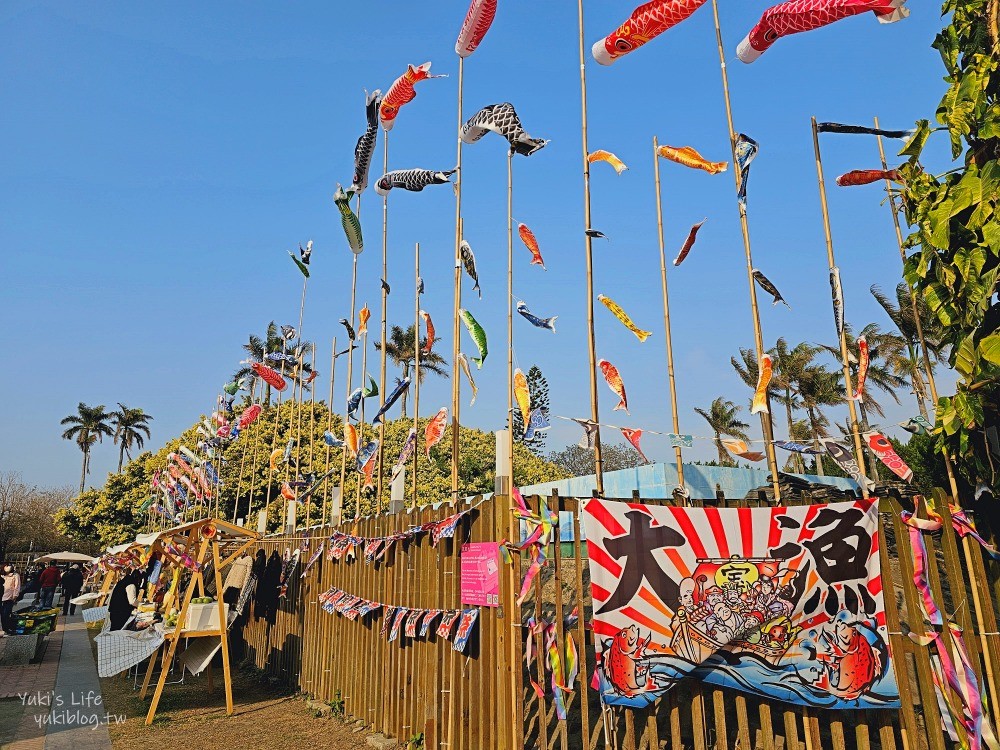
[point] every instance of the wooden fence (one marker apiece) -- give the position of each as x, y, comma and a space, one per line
483, 698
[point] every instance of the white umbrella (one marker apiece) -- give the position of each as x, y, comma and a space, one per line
66, 557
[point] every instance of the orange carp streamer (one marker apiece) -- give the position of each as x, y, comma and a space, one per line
608, 157
363, 317
867, 177
401, 92
688, 243
763, 380
435, 429
646, 22
528, 238
741, 449
688, 157
615, 383
859, 386
351, 439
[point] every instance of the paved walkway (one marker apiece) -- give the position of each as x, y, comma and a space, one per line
60, 698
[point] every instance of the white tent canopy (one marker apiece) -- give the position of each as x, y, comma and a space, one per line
65, 557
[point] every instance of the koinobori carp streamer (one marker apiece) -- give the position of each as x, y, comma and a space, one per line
401, 92
688, 157
478, 336
537, 322
477, 22
796, 16
349, 220
365, 146
622, 316
528, 238
608, 158
646, 22
468, 259
614, 381
414, 180
764, 370
867, 177
435, 429
688, 243
501, 119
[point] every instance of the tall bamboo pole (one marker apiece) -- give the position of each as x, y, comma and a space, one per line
385, 302
350, 382
852, 411
456, 330
510, 322
312, 436
416, 361
928, 367
765, 416
243, 458
329, 428
666, 316
589, 259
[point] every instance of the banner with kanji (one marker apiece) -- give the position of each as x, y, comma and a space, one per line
784, 603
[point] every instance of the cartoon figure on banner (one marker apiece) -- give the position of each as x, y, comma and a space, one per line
792, 609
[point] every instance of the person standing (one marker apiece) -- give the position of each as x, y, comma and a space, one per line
48, 580
11, 593
72, 582
124, 598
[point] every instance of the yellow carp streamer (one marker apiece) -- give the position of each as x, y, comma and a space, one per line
607, 156
623, 317
763, 380
276, 455
351, 439
464, 362
521, 395
688, 157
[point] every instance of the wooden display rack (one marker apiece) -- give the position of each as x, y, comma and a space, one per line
224, 542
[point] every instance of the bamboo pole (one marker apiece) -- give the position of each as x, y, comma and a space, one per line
243, 456
928, 367
666, 316
765, 416
336, 513
589, 258
859, 453
361, 423
329, 428
416, 361
274, 439
385, 302
456, 331
510, 323
312, 434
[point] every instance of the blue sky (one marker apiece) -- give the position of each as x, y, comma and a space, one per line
160, 161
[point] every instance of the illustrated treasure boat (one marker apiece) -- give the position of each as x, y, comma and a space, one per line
765, 631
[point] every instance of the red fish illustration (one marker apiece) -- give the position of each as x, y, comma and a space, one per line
621, 663
851, 666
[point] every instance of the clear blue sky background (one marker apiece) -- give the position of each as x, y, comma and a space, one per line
159, 162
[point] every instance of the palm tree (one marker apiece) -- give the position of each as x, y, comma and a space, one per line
258, 348
399, 348
89, 425
900, 313
131, 428
722, 419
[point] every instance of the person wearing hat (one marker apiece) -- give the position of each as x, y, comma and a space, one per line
11, 593
72, 582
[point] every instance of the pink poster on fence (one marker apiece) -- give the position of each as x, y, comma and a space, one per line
481, 574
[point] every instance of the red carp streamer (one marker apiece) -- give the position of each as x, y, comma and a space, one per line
688, 243
477, 22
528, 238
805, 15
634, 436
269, 376
248, 417
615, 383
401, 92
867, 177
646, 22
430, 332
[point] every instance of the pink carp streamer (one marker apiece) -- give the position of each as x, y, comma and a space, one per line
477, 22
646, 22
401, 92
796, 16
634, 436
